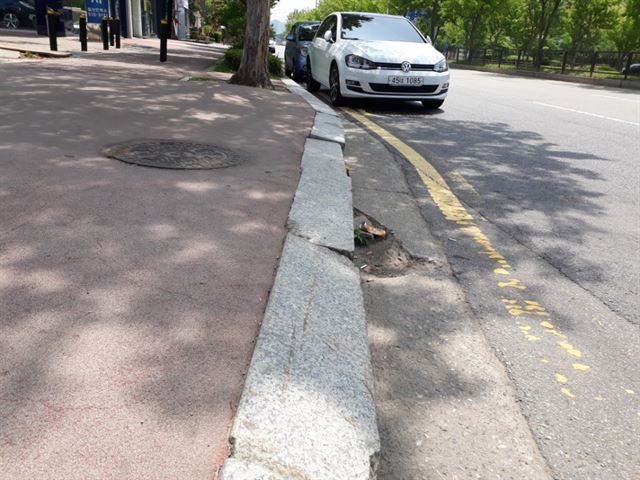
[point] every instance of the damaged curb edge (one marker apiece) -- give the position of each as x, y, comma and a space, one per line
307, 409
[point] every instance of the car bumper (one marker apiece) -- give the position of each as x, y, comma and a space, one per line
375, 83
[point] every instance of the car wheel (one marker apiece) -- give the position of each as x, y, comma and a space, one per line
432, 104
312, 85
334, 86
10, 20
298, 76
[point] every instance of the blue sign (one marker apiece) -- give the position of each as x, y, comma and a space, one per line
96, 9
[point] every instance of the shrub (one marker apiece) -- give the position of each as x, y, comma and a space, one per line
275, 66
217, 37
232, 58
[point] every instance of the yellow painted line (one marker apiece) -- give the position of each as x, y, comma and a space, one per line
581, 367
409, 153
453, 210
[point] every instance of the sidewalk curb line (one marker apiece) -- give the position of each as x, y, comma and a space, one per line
41, 52
596, 82
307, 409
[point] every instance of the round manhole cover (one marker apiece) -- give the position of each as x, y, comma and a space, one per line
176, 154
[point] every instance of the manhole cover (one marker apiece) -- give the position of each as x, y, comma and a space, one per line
175, 154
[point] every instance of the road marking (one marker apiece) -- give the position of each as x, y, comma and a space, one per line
580, 367
587, 113
453, 210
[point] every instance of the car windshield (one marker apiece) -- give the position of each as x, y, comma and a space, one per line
306, 32
374, 28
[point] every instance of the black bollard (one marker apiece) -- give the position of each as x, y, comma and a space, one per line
52, 27
164, 34
83, 32
104, 30
112, 32
116, 22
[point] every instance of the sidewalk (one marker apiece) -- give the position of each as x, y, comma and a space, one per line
131, 296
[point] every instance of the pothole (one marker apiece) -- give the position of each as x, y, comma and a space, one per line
385, 257
172, 154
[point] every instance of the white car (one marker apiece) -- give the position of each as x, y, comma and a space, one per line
369, 55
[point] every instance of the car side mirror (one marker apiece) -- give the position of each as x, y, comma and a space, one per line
328, 37
290, 38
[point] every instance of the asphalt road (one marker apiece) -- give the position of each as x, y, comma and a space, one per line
547, 256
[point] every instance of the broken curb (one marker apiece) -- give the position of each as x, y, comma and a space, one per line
307, 408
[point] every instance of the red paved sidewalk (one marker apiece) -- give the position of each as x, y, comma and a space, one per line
130, 296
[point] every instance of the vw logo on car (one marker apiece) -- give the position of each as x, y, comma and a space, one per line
370, 55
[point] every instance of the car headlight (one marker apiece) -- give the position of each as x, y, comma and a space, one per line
303, 51
354, 61
441, 66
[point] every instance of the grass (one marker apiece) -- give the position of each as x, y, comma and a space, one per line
222, 67
601, 71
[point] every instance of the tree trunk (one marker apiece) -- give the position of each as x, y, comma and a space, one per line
254, 67
544, 27
434, 20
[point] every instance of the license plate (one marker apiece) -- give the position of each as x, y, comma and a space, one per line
407, 81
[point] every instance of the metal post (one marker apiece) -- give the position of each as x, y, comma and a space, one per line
83, 32
164, 33
499, 57
104, 30
518, 60
112, 32
564, 61
626, 70
52, 27
116, 22
594, 59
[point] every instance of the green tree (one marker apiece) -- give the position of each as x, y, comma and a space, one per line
300, 16
587, 21
468, 20
231, 14
254, 66
626, 32
543, 15
430, 22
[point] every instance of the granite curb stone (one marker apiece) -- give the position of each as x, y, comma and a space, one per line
307, 409
322, 210
36, 49
318, 105
329, 128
